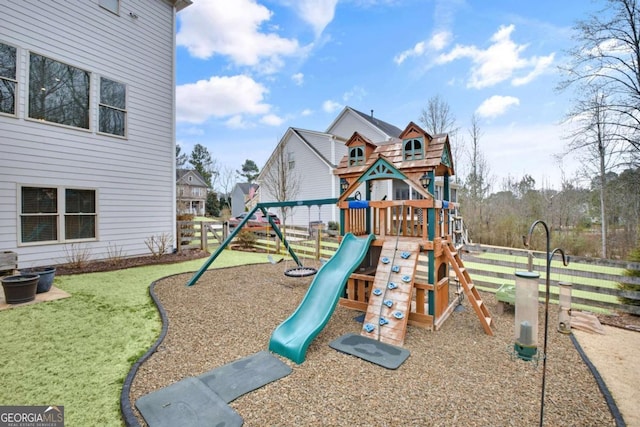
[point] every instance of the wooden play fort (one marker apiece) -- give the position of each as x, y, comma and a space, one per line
406, 275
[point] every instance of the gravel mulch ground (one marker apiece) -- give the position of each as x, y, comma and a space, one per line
457, 376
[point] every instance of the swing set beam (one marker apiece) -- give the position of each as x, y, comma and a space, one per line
263, 208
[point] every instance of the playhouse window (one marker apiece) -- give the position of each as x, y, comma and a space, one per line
412, 149
356, 156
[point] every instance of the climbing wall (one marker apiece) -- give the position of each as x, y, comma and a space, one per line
390, 299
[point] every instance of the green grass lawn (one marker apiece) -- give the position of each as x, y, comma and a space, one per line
77, 351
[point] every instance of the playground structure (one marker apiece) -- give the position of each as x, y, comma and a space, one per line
396, 258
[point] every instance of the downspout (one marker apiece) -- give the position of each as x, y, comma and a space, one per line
174, 232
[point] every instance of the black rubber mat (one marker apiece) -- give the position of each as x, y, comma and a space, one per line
242, 376
385, 355
187, 403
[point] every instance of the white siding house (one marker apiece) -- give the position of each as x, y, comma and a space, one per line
87, 117
314, 155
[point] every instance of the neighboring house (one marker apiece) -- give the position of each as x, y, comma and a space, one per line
311, 158
87, 125
191, 192
243, 197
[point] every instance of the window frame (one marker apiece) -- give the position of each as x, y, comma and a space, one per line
413, 153
111, 107
356, 155
27, 100
106, 6
13, 80
291, 160
60, 215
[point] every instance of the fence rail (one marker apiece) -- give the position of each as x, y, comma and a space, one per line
594, 280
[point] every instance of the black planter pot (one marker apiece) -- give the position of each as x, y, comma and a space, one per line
20, 288
46, 274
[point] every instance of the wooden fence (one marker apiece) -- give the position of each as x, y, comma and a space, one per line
594, 280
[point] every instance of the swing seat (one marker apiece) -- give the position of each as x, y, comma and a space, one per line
300, 271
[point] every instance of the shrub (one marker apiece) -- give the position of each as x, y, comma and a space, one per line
76, 255
246, 239
159, 244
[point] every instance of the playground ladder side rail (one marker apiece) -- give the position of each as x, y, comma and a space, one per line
469, 288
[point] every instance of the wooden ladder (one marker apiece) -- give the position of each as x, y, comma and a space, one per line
397, 315
469, 288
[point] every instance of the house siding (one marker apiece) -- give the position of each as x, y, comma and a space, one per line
350, 123
134, 177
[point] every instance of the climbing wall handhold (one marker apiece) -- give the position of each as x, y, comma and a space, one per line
398, 314
377, 292
388, 303
395, 269
392, 286
406, 279
405, 255
383, 321
384, 260
369, 327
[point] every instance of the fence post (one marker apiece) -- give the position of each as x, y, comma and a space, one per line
204, 231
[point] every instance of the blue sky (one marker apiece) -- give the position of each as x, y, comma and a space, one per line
249, 69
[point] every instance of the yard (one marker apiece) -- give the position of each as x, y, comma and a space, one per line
82, 348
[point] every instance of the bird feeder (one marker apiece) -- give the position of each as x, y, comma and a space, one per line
526, 316
564, 316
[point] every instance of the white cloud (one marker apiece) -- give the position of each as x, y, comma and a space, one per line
416, 50
220, 97
438, 41
232, 29
306, 112
330, 106
499, 62
237, 122
318, 13
496, 106
298, 79
355, 94
271, 120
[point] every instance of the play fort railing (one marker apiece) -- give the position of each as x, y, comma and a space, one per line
404, 218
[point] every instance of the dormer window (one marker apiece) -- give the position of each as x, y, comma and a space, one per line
356, 156
412, 149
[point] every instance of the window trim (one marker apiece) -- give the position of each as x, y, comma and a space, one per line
412, 153
355, 158
60, 215
16, 93
106, 7
27, 95
123, 110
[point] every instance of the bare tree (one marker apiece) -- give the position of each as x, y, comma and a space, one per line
477, 181
280, 179
225, 183
607, 57
437, 118
595, 140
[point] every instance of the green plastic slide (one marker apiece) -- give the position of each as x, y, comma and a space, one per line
293, 336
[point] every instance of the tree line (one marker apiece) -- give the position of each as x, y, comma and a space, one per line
219, 179
601, 219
